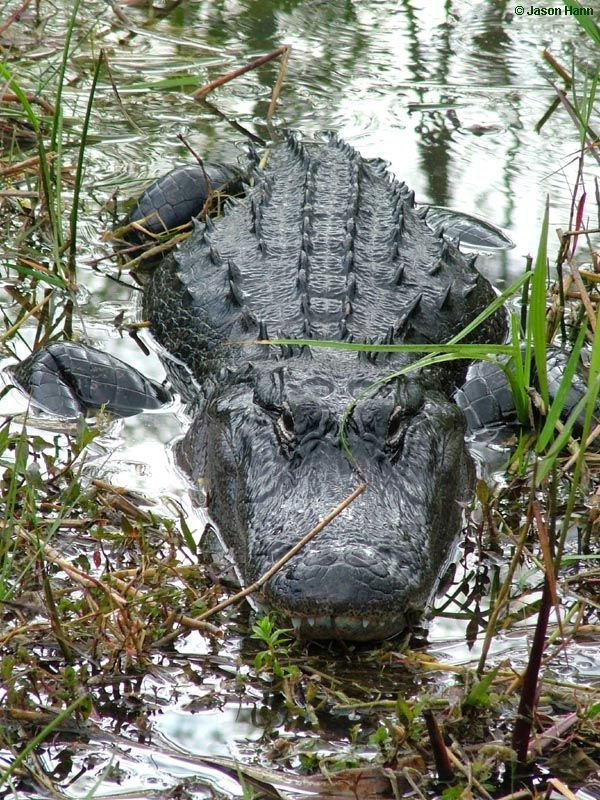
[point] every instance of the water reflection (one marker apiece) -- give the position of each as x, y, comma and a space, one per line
207, 732
448, 93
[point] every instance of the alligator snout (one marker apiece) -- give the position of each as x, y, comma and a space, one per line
353, 595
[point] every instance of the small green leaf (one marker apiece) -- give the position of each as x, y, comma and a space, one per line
479, 696
405, 712
188, 537
452, 792
593, 711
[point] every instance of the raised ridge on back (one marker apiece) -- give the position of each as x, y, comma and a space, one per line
326, 245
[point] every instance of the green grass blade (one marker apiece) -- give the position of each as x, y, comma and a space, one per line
589, 401
586, 22
536, 332
44, 161
40, 275
546, 464
494, 306
593, 381
515, 372
79, 172
558, 403
56, 133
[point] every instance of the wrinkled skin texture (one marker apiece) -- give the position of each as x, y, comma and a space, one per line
325, 245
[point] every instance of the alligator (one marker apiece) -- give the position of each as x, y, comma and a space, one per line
325, 245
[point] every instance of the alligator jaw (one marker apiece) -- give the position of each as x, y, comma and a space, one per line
348, 628
341, 627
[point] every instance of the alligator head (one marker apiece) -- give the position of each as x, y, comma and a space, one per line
268, 450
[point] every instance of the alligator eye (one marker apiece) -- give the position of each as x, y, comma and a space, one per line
285, 425
396, 427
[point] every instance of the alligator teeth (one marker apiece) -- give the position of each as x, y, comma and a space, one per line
365, 623
311, 621
296, 622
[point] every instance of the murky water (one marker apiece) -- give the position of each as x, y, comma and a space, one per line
448, 93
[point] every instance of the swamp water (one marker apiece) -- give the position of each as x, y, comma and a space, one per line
449, 94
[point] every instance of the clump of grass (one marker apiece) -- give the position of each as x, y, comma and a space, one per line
90, 577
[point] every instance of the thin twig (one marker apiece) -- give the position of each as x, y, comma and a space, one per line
585, 298
32, 312
591, 135
544, 541
78, 576
503, 596
279, 82
11, 97
557, 67
14, 16
21, 166
465, 771
591, 438
201, 93
234, 123
562, 788
285, 558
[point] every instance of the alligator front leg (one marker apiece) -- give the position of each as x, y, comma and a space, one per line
69, 379
175, 198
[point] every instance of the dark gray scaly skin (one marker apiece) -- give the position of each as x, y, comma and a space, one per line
326, 246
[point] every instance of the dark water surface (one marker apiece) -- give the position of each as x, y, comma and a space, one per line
448, 92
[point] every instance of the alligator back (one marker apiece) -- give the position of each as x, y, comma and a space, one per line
326, 245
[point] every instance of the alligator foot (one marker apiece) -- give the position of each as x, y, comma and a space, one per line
69, 379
